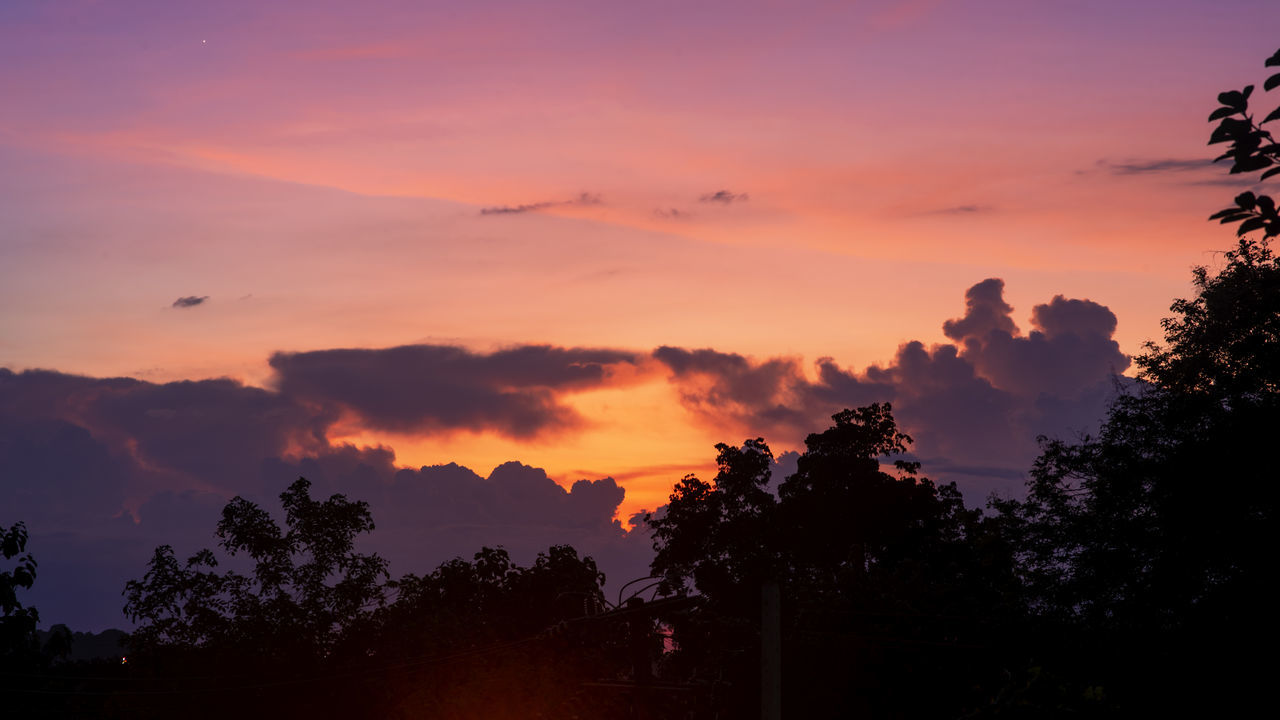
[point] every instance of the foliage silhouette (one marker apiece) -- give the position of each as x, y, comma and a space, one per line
17, 623
1150, 542
1252, 149
885, 576
314, 628
309, 594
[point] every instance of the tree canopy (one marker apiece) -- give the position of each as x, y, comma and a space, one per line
309, 593
883, 573
1151, 539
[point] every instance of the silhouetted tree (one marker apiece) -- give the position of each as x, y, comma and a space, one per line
885, 576
312, 628
267, 637
494, 639
17, 623
1150, 543
308, 594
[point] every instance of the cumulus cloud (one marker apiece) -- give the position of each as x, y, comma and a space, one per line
985, 310
974, 407
190, 301
582, 199
104, 470
435, 387
724, 197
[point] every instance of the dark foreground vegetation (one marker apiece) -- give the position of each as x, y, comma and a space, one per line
1130, 582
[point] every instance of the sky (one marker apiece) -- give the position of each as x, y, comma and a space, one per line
510, 270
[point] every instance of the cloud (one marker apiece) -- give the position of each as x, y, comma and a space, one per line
960, 210
436, 387
1191, 171
985, 310
772, 396
974, 407
1161, 165
583, 199
724, 197
190, 301
105, 469
673, 214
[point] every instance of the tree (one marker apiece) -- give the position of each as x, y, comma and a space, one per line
312, 629
17, 623
308, 598
516, 641
883, 573
1151, 541
715, 538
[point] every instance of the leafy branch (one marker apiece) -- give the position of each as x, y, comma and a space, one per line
1248, 154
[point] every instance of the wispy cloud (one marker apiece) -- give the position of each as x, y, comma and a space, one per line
724, 197
190, 301
1160, 165
582, 199
673, 213
959, 210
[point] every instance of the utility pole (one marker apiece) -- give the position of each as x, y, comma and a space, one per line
640, 627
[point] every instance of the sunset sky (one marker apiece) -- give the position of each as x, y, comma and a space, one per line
593, 238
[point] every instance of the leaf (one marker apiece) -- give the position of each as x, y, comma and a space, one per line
1223, 112
1250, 225
1228, 211
1232, 99
1271, 82
1246, 200
1235, 218
1266, 205
1250, 164
1275, 115
1269, 173
1248, 90
1273, 60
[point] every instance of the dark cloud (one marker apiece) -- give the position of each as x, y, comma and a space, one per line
1069, 350
436, 387
582, 199
104, 470
190, 301
724, 197
985, 310
773, 396
974, 407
